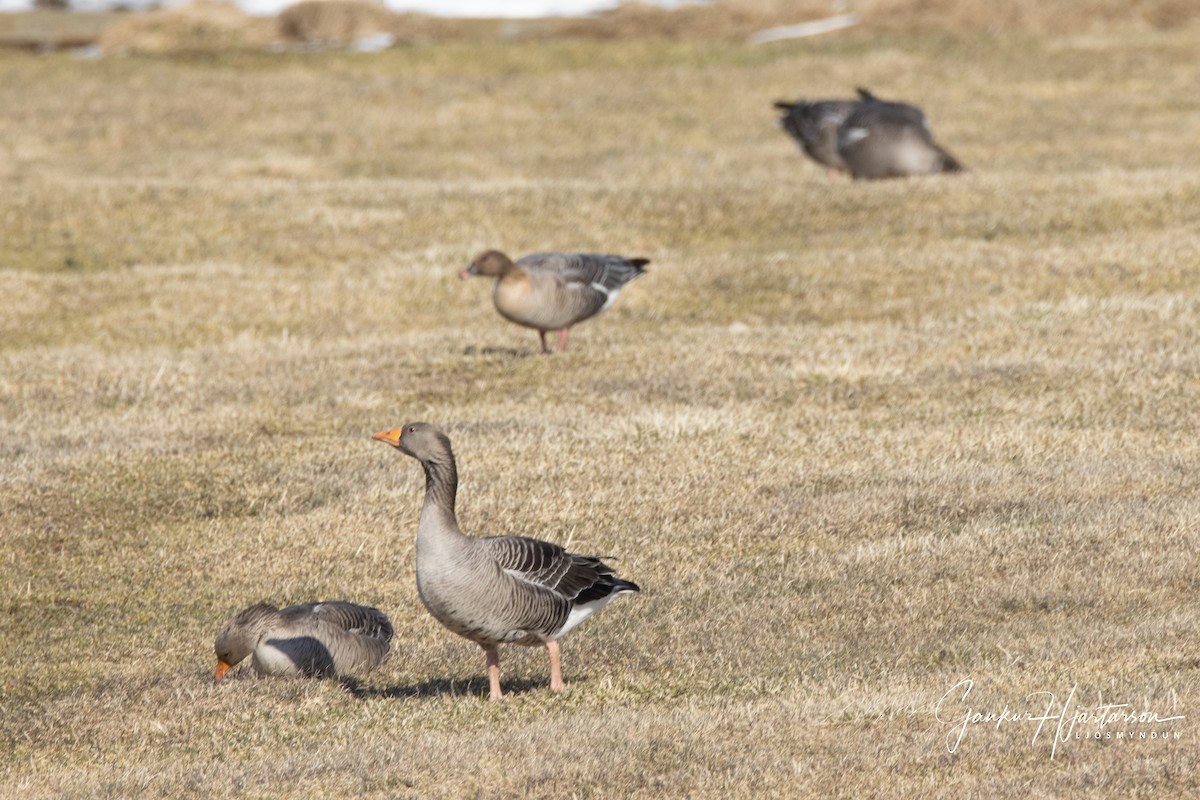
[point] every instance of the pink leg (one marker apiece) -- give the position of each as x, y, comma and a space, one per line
556, 681
562, 340
493, 666
542, 336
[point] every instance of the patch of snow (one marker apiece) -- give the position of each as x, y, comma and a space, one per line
804, 29
373, 43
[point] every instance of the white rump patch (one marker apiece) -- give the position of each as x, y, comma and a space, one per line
611, 295
582, 611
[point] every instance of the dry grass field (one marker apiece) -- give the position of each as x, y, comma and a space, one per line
858, 442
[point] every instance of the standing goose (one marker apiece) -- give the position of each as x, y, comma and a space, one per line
500, 589
815, 125
882, 139
311, 640
553, 291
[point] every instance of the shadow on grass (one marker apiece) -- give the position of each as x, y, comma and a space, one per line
473, 687
507, 352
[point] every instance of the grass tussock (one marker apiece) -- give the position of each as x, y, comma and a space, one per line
857, 442
195, 27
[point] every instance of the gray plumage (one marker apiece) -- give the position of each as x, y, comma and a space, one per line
873, 138
309, 640
815, 125
553, 291
883, 139
499, 589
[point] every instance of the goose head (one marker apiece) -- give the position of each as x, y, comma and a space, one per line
420, 440
490, 263
238, 637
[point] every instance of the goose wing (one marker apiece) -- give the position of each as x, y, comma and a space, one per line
333, 638
605, 273
874, 112
577, 579
342, 616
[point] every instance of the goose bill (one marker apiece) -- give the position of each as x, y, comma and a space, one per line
392, 437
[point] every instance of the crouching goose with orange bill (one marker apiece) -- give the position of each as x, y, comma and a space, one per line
314, 640
500, 589
553, 291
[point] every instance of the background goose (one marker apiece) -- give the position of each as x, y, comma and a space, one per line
883, 139
500, 589
814, 126
553, 291
311, 639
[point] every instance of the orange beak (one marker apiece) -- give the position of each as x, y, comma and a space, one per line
392, 437
222, 668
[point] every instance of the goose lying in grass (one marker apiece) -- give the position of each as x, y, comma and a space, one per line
553, 291
500, 589
883, 139
868, 138
310, 640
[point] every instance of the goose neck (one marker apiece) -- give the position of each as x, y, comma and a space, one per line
441, 488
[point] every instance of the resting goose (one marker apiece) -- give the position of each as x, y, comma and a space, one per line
500, 589
882, 139
311, 640
553, 291
815, 125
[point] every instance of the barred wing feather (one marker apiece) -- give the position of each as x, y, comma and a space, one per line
588, 269
347, 617
578, 579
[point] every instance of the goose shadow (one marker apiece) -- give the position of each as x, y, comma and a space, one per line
444, 687
308, 655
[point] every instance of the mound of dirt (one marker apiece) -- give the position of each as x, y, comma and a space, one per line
205, 25
201, 26
210, 25
336, 21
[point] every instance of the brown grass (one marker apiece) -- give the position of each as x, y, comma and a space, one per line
209, 25
1045, 17
740, 18
858, 442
